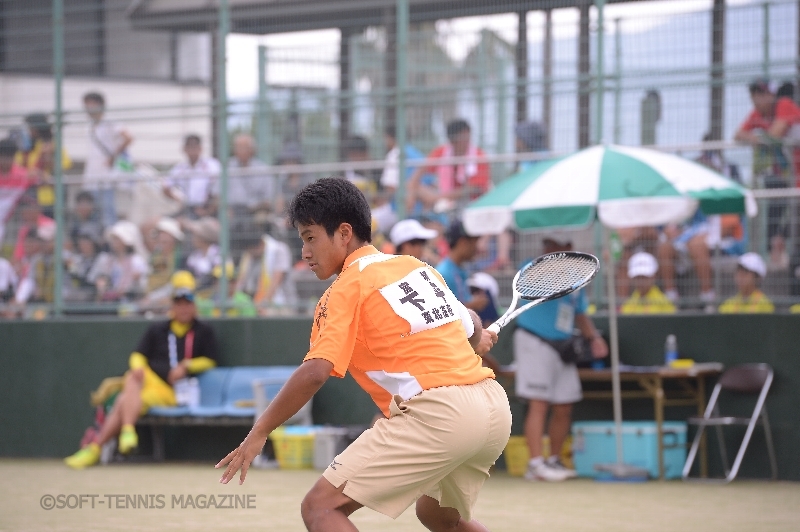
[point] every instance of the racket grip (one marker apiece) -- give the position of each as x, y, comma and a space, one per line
494, 327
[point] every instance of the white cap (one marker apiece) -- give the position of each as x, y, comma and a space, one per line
171, 227
642, 265
406, 230
486, 282
754, 263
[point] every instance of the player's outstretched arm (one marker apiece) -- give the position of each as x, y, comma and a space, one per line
482, 340
297, 391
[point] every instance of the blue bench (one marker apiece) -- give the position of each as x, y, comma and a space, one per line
228, 397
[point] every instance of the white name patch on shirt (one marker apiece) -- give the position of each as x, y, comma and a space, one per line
422, 300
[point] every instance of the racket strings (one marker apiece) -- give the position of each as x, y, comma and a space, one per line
554, 275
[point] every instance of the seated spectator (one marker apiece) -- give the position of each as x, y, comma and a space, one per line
265, 275
409, 237
39, 160
206, 252
251, 190
121, 273
390, 178
463, 249
356, 149
483, 284
168, 352
84, 219
679, 246
36, 270
31, 220
457, 183
530, 137
193, 181
237, 304
749, 299
165, 259
14, 182
646, 297
79, 261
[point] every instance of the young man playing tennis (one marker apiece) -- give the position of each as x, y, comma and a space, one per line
392, 322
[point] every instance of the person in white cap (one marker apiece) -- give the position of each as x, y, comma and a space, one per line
646, 298
409, 237
749, 299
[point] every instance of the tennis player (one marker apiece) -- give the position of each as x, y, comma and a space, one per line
392, 322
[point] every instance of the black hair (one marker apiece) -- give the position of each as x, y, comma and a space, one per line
759, 86
84, 195
356, 143
330, 202
192, 138
786, 90
94, 97
8, 148
391, 131
454, 127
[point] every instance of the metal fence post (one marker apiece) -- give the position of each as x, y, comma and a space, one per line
618, 80
262, 124
600, 78
222, 135
400, 102
765, 41
58, 77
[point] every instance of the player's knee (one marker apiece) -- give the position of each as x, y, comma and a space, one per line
435, 518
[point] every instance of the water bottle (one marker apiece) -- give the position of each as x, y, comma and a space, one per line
670, 350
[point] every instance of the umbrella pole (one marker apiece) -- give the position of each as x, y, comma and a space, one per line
618, 470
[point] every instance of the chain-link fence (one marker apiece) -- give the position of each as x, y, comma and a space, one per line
186, 130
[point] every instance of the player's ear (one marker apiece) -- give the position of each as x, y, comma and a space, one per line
346, 230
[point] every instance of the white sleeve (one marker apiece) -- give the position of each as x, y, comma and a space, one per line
390, 176
466, 319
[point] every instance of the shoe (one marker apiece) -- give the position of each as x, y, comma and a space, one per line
86, 457
543, 471
557, 464
128, 439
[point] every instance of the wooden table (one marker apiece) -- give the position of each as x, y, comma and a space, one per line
689, 390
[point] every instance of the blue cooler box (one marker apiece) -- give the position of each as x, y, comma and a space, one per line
594, 442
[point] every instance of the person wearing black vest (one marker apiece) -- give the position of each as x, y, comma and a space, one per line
167, 353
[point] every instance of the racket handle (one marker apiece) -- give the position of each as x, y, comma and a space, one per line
494, 327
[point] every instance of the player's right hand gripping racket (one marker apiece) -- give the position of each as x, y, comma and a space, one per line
548, 277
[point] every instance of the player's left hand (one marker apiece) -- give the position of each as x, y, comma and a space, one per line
599, 347
241, 457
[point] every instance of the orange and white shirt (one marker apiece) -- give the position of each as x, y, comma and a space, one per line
393, 323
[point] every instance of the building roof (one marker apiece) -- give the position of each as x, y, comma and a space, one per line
278, 16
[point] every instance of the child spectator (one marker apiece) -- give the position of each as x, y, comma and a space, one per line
121, 273
481, 283
83, 219
646, 297
749, 299
79, 262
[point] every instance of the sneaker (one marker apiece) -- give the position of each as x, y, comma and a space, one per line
544, 471
557, 464
128, 439
88, 456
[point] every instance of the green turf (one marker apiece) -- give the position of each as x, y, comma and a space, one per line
506, 503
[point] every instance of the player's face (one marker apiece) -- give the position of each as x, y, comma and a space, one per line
324, 254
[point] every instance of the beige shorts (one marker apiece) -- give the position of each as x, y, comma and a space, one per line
439, 443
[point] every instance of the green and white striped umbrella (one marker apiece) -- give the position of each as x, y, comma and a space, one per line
622, 186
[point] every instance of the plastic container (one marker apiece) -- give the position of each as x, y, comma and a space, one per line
594, 442
328, 443
294, 446
516, 454
670, 350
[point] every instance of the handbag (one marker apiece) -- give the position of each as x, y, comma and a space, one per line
576, 349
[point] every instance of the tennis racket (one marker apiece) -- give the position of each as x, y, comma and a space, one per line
548, 277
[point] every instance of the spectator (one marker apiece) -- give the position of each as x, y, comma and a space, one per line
390, 180
646, 297
83, 219
481, 283
251, 190
79, 262
682, 244
168, 352
546, 381
13, 183
530, 137
193, 181
39, 159
107, 156
165, 259
36, 273
206, 253
31, 221
409, 237
356, 149
290, 184
121, 273
457, 183
463, 249
237, 304
749, 299
265, 273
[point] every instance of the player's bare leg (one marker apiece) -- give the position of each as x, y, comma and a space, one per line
560, 421
442, 519
326, 508
534, 426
